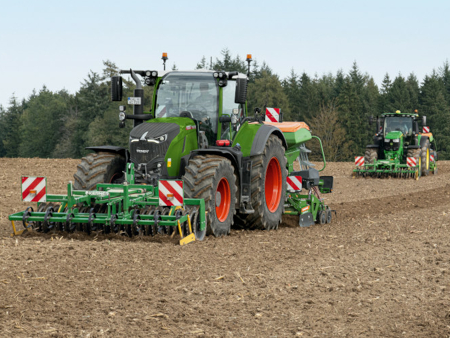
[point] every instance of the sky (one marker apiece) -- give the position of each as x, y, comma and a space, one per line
57, 43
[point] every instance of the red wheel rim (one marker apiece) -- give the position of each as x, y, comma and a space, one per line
273, 185
223, 200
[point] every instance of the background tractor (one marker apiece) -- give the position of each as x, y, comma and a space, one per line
197, 135
399, 149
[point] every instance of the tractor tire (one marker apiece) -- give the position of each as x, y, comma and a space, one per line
417, 154
98, 168
268, 188
426, 158
371, 155
213, 179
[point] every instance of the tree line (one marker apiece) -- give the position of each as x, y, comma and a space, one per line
336, 106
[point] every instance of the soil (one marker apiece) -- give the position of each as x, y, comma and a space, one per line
380, 269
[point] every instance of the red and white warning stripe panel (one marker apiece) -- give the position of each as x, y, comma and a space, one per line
359, 161
272, 115
170, 193
431, 158
294, 183
411, 161
426, 129
34, 189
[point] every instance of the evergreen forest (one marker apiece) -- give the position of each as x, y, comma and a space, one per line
336, 106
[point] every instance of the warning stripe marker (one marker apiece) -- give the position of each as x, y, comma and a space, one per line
411, 161
359, 161
170, 193
34, 189
294, 183
273, 114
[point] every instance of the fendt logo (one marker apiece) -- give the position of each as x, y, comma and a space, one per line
142, 151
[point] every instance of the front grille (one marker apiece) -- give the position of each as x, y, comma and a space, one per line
144, 152
394, 147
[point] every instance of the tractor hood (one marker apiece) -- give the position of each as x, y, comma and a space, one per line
393, 135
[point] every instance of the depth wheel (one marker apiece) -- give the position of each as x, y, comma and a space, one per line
212, 178
322, 217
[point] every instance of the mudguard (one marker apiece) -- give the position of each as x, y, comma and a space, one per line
423, 139
261, 137
111, 149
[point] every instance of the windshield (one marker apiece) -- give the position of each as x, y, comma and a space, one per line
196, 93
394, 123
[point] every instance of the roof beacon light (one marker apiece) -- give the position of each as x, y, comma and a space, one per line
164, 58
249, 60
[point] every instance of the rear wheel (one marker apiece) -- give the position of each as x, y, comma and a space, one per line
99, 168
212, 178
426, 158
268, 185
371, 155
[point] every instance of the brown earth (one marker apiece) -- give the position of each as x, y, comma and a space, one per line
380, 269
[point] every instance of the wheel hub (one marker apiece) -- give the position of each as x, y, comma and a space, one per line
218, 198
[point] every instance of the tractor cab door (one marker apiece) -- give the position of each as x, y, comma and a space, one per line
190, 94
230, 108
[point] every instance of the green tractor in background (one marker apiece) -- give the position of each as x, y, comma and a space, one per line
399, 149
198, 146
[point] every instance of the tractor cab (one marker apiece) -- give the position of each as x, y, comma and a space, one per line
201, 96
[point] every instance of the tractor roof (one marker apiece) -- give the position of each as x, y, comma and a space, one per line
164, 72
414, 115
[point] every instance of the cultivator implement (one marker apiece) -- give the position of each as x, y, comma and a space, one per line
386, 168
128, 209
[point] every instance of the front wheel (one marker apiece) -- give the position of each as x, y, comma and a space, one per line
416, 153
426, 158
371, 155
268, 186
212, 178
98, 168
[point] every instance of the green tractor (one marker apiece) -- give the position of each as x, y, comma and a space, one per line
399, 149
196, 161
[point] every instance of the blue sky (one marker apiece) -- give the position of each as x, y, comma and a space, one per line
56, 43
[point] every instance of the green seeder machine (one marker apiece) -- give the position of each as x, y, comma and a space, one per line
399, 149
196, 164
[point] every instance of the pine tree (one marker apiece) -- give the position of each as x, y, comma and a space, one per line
10, 135
41, 122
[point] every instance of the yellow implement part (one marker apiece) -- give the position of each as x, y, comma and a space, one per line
16, 232
188, 239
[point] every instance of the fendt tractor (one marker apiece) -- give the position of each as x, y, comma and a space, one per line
399, 149
196, 163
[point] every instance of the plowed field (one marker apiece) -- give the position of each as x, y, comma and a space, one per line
380, 269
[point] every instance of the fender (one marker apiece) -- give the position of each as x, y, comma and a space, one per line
111, 149
234, 155
243, 167
261, 137
423, 139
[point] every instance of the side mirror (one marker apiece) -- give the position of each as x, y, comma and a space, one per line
241, 91
116, 88
424, 120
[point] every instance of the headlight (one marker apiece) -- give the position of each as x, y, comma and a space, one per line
396, 140
158, 139
121, 116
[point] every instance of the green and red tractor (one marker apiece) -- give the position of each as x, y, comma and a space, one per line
399, 148
196, 163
